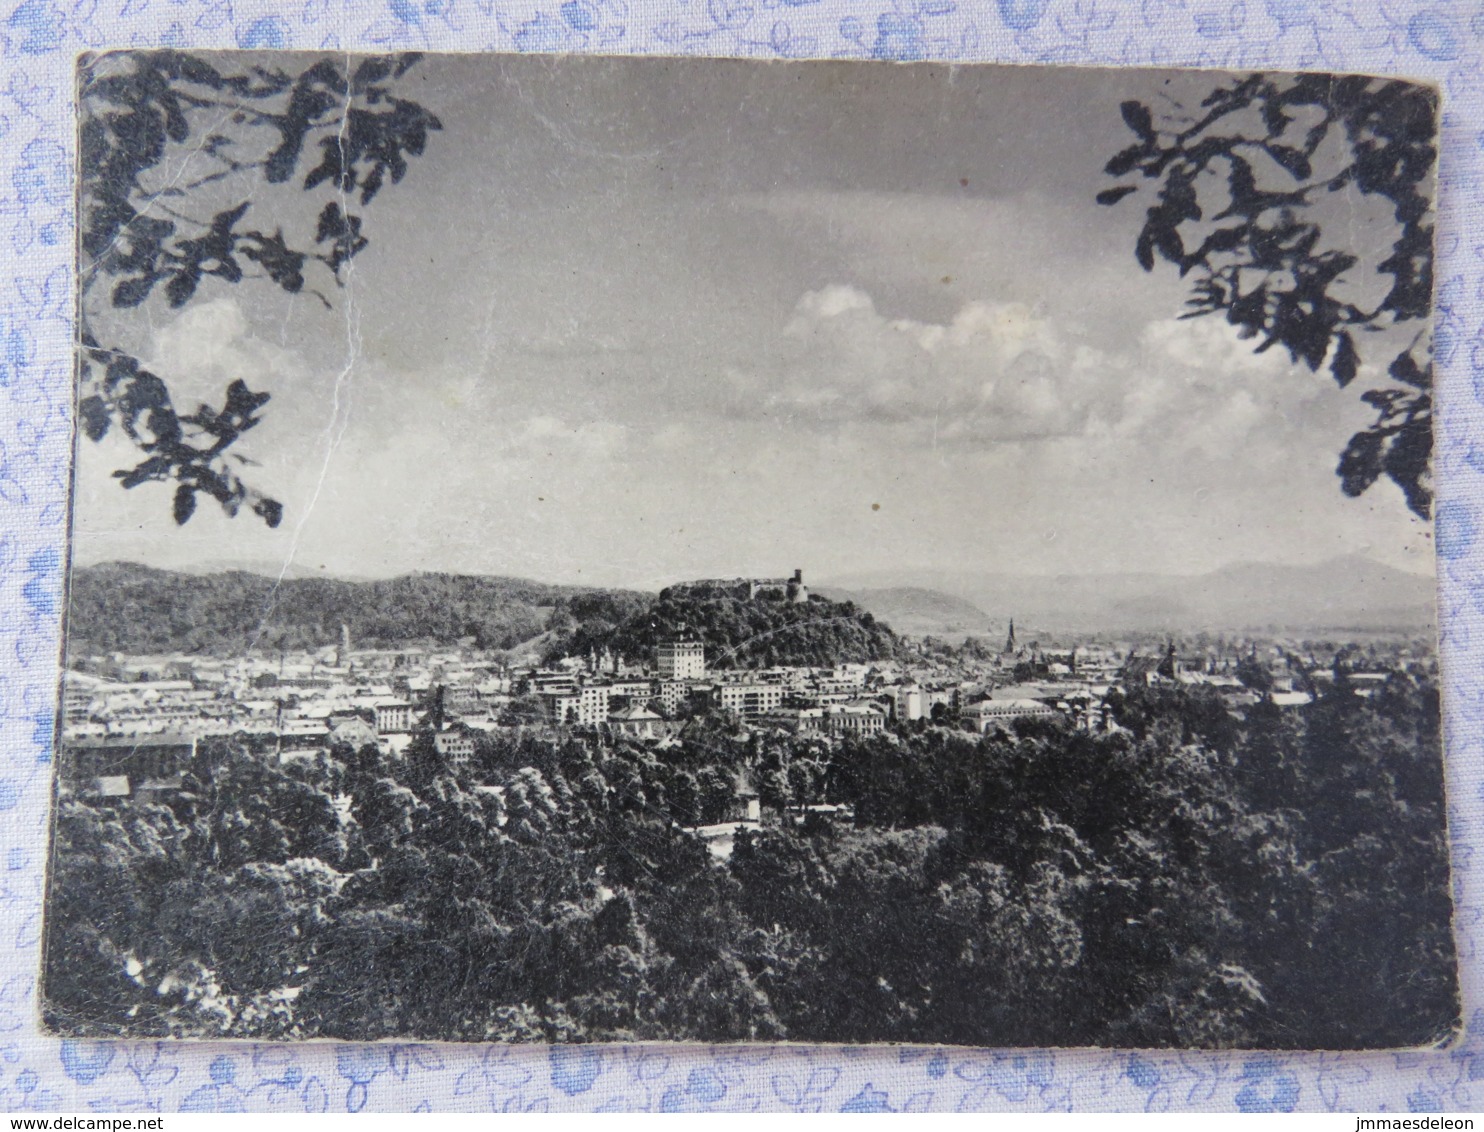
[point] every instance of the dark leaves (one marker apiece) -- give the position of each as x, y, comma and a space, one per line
1144, 249
189, 449
94, 417
315, 102
373, 70
1408, 463
1404, 368
1267, 269
1291, 159
283, 265
132, 292
1249, 312
342, 233
1360, 463
140, 401
1137, 117
237, 416
154, 468
141, 111
185, 503
1398, 445
1125, 161
181, 287
1171, 247
1221, 240
1346, 361
269, 510
371, 146
1274, 119
1114, 195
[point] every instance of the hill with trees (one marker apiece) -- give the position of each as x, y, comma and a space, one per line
124, 607
737, 632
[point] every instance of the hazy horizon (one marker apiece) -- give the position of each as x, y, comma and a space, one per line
837, 581
631, 321
1238, 597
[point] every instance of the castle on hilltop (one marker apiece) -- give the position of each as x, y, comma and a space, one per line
747, 589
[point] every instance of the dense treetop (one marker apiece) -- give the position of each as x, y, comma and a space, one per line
737, 632
1194, 879
135, 609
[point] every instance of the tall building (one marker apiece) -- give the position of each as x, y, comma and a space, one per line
749, 700
682, 659
910, 703
393, 717
582, 707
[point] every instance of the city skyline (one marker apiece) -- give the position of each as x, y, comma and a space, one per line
594, 340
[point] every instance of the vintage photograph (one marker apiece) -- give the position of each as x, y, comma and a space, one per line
580, 549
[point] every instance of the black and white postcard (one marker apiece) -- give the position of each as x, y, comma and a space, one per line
581, 549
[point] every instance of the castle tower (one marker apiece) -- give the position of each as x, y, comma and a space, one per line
796, 591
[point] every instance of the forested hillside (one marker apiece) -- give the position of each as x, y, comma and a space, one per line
135, 609
737, 633
122, 607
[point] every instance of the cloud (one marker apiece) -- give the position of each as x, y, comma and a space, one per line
209, 345
1004, 373
1068, 257
1200, 387
994, 372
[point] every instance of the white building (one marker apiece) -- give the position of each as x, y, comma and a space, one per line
854, 719
682, 660
455, 746
670, 694
990, 713
392, 718
749, 700
910, 703
583, 707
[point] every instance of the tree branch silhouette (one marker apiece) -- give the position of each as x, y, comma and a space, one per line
149, 115
1234, 191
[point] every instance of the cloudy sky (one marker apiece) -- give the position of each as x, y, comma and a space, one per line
632, 321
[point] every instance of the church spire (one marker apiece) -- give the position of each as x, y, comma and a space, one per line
1170, 666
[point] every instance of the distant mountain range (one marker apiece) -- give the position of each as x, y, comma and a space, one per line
913, 610
1352, 592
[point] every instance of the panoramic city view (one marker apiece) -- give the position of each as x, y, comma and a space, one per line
644, 587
